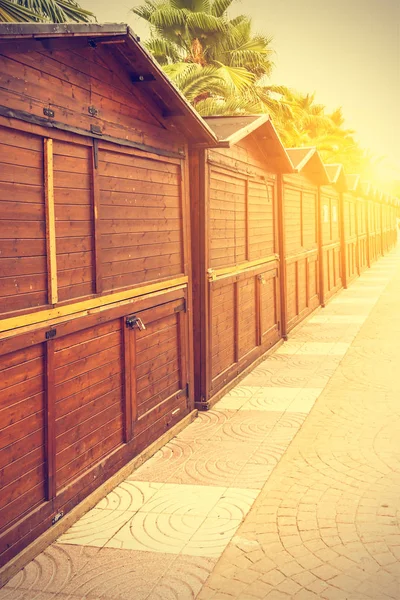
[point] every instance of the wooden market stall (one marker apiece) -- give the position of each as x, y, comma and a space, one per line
95, 305
300, 255
385, 223
388, 224
332, 249
355, 190
393, 204
379, 199
367, 194
236, 273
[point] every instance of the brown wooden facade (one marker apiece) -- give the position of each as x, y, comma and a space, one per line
236, 289
95, 302
301, 243
333, 252
354, 194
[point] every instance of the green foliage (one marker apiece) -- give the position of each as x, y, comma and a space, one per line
223, 68
54, 11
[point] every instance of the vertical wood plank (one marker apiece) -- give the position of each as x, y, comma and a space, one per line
320, 272
50, 422
96, 217
236, 312
307, 282
50, 221
342, 235
282, 252
301, 220
127, 334
357, 228
189, 269
259, 310
366, 221
183, 371
247, 220
201, 287
296, 267
133, 357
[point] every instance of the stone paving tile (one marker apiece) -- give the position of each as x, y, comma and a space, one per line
119, 575
327, 522
185, 578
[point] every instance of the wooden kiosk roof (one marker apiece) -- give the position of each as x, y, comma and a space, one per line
337, 176
125, 46
353, 183
366, 188
309, 161
231, 130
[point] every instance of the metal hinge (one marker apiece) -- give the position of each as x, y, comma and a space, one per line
48, 112
96, 129
211, 275
181, 307
51, 334
57, 517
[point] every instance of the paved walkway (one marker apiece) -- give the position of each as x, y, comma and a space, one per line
321, 508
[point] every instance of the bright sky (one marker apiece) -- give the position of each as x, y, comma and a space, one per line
348, 51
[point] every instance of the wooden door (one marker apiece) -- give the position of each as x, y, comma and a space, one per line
156, 363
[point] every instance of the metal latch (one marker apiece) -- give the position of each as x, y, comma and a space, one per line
135, 321
211, 275
261, 279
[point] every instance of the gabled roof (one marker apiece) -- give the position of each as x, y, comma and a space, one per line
309, 161
366, 189
231, 130
125, 46
353, 183
337, 176
377, 194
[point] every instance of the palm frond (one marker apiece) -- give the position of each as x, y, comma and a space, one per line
163, 50
230, 106
10, 12
237, 78
219, 7
196, 81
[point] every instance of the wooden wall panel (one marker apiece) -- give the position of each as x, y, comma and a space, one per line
247, 316
309, 219
69, 82
261, 219
293, 217
22, 433
223, 328
157, 363
291, 300
23, 262
74, 220
269, 303
89, 398
313, 279
141, 222
301, 275
228, 219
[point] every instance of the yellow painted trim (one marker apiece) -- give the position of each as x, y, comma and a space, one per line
214, 274
50, 221
87, 306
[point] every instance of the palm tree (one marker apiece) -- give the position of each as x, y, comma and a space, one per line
55, 11
200, 32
